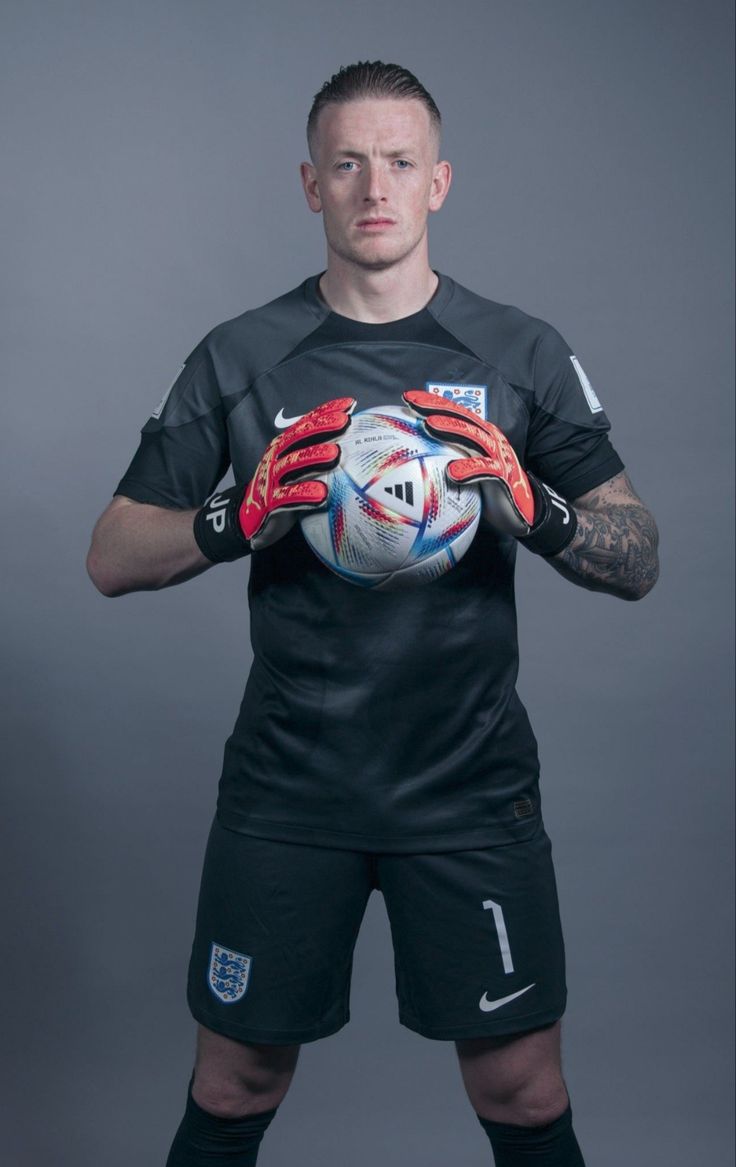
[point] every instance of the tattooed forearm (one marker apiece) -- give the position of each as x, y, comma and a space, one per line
615, 546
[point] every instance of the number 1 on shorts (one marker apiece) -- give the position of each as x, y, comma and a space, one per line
503, 936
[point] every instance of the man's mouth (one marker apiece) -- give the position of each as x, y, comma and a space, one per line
374, 224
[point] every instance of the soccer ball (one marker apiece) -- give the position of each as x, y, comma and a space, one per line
392, 519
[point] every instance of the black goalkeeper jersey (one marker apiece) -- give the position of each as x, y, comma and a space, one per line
378, 721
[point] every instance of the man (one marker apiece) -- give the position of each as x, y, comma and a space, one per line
380, 742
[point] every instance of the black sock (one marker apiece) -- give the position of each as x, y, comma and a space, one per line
553, 1145
205, 1140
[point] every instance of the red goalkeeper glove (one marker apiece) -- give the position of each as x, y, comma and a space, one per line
514, 501
242, 519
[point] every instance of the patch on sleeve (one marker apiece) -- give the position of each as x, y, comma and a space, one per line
160, 407
471, 396
228, 974
590, 394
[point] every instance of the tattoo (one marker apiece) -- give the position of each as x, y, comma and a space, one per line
615, 546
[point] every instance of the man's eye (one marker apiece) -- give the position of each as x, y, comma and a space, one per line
403, 164
347, 166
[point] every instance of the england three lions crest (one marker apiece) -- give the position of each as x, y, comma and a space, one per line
228, 974
471, 396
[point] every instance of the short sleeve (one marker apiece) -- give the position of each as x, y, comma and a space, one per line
183, 451
567, 441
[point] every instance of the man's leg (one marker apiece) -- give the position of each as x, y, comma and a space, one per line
235, 1091
480, 960
516, 1087
270, 969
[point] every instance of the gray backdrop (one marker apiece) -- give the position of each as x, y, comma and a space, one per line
150, 190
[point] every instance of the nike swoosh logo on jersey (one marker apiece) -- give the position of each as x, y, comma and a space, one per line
282, 422
488, 1006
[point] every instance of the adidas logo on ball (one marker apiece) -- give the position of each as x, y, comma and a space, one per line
401, 489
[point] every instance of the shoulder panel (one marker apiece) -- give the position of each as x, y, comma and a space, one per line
529, 353
500, 334
247, 346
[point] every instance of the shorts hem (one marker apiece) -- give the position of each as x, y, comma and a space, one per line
240, 1032
499, 1028
501, 834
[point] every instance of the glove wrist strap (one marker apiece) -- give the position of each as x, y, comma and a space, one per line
556, 523
217, 528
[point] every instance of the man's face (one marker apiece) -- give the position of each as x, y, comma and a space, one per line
375, 178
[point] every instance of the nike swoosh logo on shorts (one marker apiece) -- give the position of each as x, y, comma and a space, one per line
488, 1006
282, 422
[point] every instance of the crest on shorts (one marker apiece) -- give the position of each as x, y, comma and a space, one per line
471, 396
228, 974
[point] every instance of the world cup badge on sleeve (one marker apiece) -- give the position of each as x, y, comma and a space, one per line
471, 396
228, 974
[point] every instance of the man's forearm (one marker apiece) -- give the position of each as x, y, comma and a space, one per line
614, 550
137, 547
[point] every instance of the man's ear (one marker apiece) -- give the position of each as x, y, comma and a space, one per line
311, 187
440, 185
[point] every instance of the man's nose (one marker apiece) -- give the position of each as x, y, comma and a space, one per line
375, 189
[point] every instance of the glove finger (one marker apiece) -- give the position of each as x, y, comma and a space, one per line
445, 418
300, 495
426, 403
329, 419
467, 470
335, 405
262, 528
322, 456
508, 505
465, 432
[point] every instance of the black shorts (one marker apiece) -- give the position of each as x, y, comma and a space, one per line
476, 934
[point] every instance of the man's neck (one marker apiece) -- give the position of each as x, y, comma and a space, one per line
376, 297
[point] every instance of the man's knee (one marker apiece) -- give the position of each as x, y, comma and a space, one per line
536, 1101
233, 1079
515, 1080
